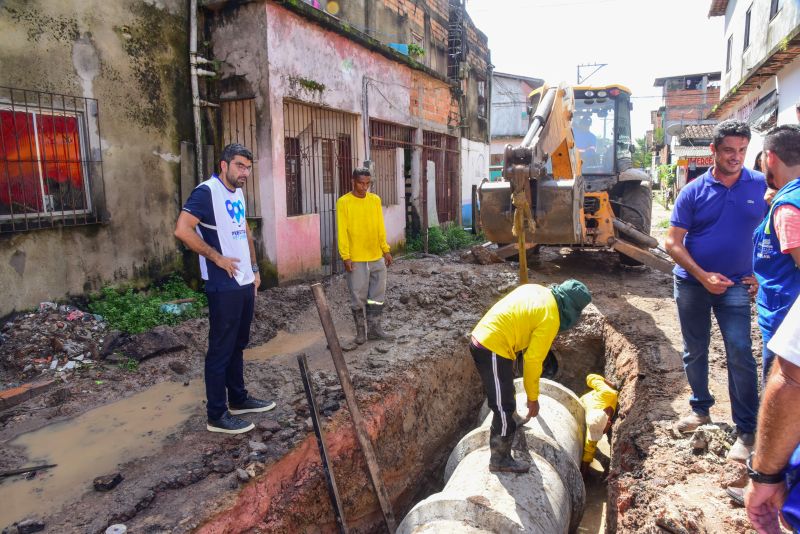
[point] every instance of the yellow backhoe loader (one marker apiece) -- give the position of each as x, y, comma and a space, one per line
570, 182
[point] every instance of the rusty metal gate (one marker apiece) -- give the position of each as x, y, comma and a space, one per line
239, 126
321, 150
390, 149
442, 150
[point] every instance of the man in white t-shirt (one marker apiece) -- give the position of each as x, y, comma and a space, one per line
778, 433
213, 223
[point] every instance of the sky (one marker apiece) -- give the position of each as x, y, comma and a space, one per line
640, 40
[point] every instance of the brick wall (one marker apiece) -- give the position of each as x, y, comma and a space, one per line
690, 104
431, 100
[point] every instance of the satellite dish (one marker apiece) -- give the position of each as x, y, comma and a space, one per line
676, 129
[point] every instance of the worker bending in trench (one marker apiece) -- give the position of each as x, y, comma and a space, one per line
598, 405
527, 319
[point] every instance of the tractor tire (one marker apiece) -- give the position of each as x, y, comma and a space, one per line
637, 209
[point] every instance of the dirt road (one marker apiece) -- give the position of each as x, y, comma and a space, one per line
419, 395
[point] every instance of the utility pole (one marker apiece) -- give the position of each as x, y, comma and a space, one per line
597, 66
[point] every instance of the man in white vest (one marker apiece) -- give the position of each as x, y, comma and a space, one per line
214, 225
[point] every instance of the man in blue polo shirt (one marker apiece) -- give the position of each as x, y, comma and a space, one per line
710, 239
213, 224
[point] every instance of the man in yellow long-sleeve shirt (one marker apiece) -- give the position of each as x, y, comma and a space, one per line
527, 319
599, 405
363, 248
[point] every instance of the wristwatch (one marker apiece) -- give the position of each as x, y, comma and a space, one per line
255, 267
762, 478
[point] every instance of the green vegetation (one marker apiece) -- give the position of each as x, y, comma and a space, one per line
306, 83
666, 175
136, 311
131, 365
415, 51
642, 157
441, 241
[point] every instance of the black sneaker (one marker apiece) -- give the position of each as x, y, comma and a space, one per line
252, 405
228, 424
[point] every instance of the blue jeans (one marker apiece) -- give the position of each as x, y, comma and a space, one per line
732, 310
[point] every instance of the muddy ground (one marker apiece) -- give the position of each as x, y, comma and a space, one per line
419, 394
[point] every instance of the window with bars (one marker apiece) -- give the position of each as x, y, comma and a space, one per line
319, 157
239, 126
442, 150
50, 166
387, 142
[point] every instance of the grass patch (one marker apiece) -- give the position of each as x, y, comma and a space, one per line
137, 311
131, 365
664, 224
442, 241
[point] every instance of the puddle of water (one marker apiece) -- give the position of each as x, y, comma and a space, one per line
284, 343
93, 444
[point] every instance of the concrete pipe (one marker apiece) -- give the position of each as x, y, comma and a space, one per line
549, 499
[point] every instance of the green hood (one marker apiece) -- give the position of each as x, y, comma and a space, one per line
572, 297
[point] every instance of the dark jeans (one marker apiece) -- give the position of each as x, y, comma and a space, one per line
229, 315
732, 310
497, 375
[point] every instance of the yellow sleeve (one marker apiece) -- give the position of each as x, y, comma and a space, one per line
541, 340
382, 228
589, 450
341, 222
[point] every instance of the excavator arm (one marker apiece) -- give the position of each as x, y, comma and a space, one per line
547, 193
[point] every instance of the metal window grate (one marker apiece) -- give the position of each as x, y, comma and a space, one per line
321, 151
385, 139
239, 126
442, 150
51, 171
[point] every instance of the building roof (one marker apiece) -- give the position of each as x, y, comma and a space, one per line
530, 80
691, 151
718, 8
715, 75
698, 131
774, 61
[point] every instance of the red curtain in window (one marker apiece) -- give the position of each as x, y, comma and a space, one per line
20, 191
57, 155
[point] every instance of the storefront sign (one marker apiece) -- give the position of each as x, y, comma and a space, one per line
702, 161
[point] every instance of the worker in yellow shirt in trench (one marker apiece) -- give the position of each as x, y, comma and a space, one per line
527, 319
599, 405
361, 237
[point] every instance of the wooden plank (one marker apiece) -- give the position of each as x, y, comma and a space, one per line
349, 394
644, 256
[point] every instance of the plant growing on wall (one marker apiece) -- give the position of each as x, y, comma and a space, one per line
415, 51
306, 83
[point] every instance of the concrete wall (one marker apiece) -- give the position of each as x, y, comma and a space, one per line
132, 57
269, 46
788, 92
474, 168
765, 35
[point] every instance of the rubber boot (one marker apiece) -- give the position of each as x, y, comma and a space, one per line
361, 327
374, 326
501, 460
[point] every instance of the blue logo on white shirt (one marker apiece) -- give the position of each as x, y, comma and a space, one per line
235, 210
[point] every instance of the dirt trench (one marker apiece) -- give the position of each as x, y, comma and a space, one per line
418, 394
